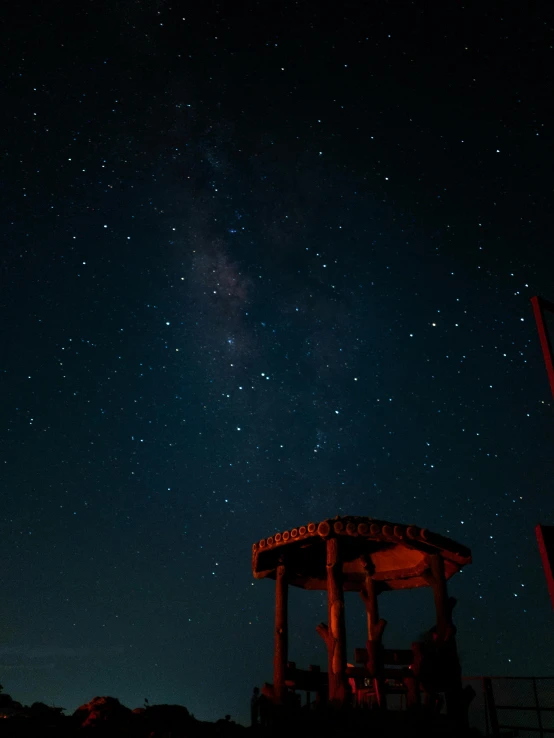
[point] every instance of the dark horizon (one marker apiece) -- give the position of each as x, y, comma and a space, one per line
262, 266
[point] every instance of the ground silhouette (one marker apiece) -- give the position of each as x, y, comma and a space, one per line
106, 717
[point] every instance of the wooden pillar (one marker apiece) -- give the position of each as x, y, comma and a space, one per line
451, 673
372, 609
440, 594
280, 654
336, 641
374, 645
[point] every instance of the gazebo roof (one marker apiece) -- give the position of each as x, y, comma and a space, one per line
394, 554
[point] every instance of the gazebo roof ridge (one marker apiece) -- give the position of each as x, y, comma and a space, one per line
395, 552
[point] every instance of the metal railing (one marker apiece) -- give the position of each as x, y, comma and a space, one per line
512, 706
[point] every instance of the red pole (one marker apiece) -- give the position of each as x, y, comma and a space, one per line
539, 304
545, 539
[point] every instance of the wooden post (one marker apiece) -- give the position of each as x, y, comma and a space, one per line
372, 609
280, 655
336, 638
375, 629
438, 582
451, 673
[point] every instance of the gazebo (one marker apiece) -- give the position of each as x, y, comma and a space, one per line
360, 554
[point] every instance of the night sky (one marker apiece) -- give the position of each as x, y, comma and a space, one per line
262, 264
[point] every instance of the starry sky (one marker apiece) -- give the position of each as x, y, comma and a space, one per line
262, 264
